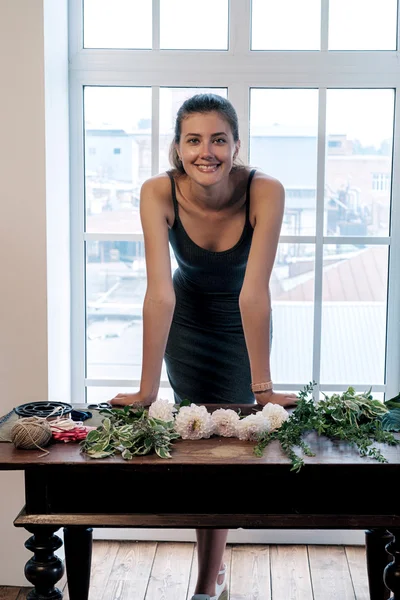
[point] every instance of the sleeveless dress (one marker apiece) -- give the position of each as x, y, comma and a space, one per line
206, 355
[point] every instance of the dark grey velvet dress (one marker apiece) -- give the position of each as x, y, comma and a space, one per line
206, 355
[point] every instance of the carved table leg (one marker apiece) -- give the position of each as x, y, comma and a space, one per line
376, 541
392, 571
45, 568
78, 558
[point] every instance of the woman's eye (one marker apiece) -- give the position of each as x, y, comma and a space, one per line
220, 140
193, 141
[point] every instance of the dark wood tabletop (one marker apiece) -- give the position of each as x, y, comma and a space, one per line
212, 451
216, 476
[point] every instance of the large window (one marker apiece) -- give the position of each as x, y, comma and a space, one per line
314, 83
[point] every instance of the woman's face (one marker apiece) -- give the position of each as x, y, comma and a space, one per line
207, 148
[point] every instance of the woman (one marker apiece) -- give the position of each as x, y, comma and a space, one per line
211, 321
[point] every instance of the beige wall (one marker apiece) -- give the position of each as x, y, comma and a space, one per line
23, 310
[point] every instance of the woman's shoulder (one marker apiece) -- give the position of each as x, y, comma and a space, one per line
265, 192
160, 183
261, 180
155, 196
265, 186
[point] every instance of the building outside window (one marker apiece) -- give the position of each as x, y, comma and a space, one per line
381, 182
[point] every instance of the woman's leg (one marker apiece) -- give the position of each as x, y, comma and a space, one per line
210, 552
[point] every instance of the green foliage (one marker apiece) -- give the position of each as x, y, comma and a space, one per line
184, 402
129, 431
391, 420
357, 419
393, 403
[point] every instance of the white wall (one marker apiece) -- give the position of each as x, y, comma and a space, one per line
23, 308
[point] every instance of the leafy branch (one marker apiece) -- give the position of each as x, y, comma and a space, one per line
129, 431
357, 419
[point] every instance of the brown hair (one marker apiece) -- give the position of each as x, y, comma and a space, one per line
202, 103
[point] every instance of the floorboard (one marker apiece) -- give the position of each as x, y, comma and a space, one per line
126, 570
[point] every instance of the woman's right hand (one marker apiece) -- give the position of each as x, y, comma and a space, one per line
130, 399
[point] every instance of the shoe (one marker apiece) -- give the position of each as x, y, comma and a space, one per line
220, 588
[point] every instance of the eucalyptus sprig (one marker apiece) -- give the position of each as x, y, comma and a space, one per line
129, 431
357, 419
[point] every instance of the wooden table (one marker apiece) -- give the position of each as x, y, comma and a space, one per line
208, 483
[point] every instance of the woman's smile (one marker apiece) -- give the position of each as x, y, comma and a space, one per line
207, 168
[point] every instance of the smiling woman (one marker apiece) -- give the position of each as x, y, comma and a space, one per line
211, 321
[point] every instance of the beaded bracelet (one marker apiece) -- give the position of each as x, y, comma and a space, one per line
261, 387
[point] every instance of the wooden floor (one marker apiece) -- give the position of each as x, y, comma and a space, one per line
167, 571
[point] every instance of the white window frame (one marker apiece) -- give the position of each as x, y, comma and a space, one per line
239, 70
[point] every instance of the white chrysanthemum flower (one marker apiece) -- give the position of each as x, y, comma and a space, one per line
252, 426
194, 422
225, 421
162, 409
276, 415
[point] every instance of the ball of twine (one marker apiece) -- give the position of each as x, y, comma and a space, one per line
31, 432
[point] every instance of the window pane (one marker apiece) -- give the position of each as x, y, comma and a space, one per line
117, 156
194, 26
292, 292
286, 25
115, 289
117, 23
170, 101
354, 314
362, 24
358, 162
283, 143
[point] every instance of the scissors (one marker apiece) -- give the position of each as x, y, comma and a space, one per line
100, 405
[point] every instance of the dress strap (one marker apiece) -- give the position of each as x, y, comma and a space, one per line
173, 193
248, 194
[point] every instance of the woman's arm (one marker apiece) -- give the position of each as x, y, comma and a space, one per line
267, 208
159, 301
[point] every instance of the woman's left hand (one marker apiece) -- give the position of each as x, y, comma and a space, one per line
285, 400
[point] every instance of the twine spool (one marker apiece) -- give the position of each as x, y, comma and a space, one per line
30, 433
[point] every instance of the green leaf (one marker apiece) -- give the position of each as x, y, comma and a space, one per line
94, 454
185, 402
126, 443
378, 406
127, 455
391, 420
392, 404
162, 452
148, 443
92, 436
107, 424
